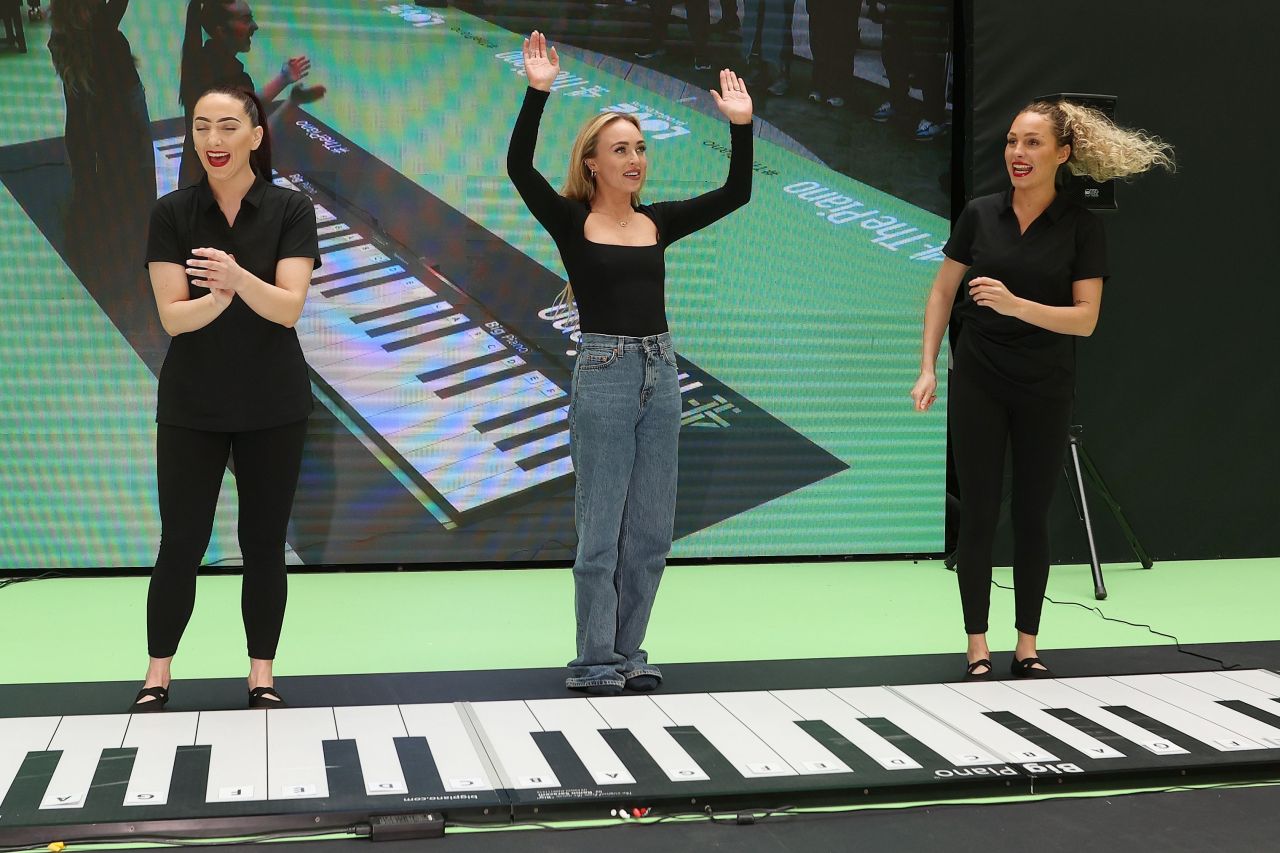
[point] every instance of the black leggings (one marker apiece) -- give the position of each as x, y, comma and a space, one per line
984, 417
189, 466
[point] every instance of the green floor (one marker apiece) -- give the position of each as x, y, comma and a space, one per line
93, 629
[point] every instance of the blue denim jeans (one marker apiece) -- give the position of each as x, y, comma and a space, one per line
624, 421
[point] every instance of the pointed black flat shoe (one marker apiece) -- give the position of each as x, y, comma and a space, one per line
970, 673
258, 698
144, 705
1026, 668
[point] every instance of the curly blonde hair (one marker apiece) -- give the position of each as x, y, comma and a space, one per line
1101, 149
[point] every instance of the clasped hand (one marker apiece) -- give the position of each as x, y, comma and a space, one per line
991, 293
218, 271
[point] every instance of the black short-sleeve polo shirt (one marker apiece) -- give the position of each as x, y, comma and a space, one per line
1063, 245
242, 371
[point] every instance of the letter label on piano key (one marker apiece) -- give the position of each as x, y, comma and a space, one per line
240, 792
142, 797
297, 791
465, 782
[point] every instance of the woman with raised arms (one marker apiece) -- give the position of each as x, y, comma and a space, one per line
625, 408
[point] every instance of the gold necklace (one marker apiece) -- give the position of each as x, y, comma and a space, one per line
622, 223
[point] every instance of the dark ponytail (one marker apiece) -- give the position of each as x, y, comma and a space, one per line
259, 158
206, 15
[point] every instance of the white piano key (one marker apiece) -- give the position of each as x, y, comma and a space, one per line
1262, 679
458, 448
354, 258
373, 728
1203, 705
826, 706
18, 736
529, 424
395, 291
323, 214
1218, 685
365, 327
340, 240
581, 724
238, 754
500, 398
446, 382
950, 746
507, 483
334, 228
1055, 693
81, 741
997, 696
323, 283
775, 724
648, 725
295, 752
507, 727
1113, 691
460, 766
157, 738
966, 716
748, 754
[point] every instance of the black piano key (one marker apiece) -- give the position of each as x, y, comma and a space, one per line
646, 772
1028, 731
520, 414
547, 456
564, 762
923, 755
385, 276
419, 767
423, 338
462, 366
718, 768
1160, 730
395, 309
401, 325
1271, 718
345, 777
22, 803
104, 801
531, 436
840, 746
481, 381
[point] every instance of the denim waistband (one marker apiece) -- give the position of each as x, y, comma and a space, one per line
624, 343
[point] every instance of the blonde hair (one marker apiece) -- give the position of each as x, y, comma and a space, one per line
1101, 149
580, 185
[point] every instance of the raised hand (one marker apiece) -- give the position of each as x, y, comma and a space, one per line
295, 68
540, 64
732, 99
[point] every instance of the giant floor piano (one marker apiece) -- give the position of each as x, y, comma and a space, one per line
206, 772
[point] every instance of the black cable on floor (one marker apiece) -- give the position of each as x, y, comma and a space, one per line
4, 582
1176, 642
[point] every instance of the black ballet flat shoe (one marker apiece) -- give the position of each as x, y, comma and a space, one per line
143, 705
643, 683
971, 673
1026, 668
258, 698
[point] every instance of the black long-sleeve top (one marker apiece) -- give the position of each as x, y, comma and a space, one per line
619, 289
